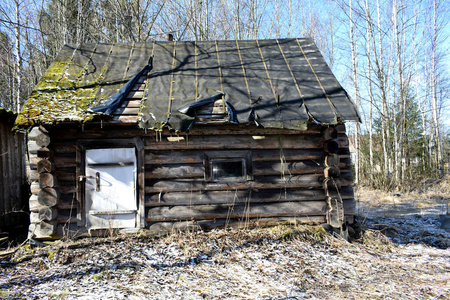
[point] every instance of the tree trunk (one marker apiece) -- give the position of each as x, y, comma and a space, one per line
356, 90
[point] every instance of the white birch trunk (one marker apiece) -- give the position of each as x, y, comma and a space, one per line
356, 90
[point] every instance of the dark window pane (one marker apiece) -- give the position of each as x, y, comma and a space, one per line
222, 169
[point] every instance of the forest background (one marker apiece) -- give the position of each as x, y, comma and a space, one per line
392, 57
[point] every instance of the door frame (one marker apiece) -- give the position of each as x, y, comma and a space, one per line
85, 144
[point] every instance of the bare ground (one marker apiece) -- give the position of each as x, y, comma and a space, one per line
401, 255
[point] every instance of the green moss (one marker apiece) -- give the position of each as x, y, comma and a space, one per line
53, 75
51, 255
61, 95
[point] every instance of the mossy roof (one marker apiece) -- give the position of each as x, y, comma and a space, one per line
275, 83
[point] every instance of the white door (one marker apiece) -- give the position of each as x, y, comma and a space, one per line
111, 188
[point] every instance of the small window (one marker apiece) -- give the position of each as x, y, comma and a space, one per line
230, 166
228, 170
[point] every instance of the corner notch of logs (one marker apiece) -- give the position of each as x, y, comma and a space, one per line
45, 192
332, 183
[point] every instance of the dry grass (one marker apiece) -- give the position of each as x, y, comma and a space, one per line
280, 262
433, 193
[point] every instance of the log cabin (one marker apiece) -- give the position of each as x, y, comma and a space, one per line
169, 135
13, 179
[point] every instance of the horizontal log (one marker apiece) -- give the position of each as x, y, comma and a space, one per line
331, 146
332, 184
42, 139
34, 218
47, 180
64, 161
92, 130
332, 160
261, 182
195, 156
175, 171
33, 161
68, 147
288, 167
44, 152
237, 197
34, 132
67, 204
233, 223
32, 147
335, 212
34, 204
45, 166
34, 188
67, 187
177, 185
346, 192
48, 196
66, 175
45, 229
67, 220
250, 129
32, 175
266, 210
239, 142
329, 133
47, 213
332, 171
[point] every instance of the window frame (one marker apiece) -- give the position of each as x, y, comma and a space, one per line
228, 156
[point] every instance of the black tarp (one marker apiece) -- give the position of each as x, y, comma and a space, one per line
274, 83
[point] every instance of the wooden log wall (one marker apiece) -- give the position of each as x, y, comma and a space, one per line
287, 178
288, 175
13, 183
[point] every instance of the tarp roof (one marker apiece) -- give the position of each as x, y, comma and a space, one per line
279, 83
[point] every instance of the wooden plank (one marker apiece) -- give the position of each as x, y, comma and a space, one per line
138, 87
127, 111
223, 211
175, 171
211, 110
135, 95
237, 197
125, 119
131, 103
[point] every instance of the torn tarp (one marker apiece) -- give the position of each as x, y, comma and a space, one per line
183, 119
113, 102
